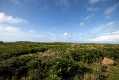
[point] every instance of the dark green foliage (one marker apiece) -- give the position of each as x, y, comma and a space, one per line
15, 66
1, 42
112, 52
67, 69
37, 49
87, 55
55, 61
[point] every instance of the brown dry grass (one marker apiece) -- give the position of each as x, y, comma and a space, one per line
107, 61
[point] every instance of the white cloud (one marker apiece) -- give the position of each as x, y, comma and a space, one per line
11, 32
116, 32
10, 19
106, 33
68, 37
107, 38
66, 33
107, 27
14, 33
9, 29
111, 9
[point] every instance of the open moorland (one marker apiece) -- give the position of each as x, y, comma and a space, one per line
58, 61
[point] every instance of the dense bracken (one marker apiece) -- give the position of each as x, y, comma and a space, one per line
58, 61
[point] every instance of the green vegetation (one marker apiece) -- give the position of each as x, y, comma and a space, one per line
58, 61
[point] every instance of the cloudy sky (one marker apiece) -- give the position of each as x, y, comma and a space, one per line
60, 20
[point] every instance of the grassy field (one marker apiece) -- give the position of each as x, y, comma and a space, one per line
58, 61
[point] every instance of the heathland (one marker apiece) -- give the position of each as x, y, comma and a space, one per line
58, 61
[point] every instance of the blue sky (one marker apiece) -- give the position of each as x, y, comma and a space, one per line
60, 20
